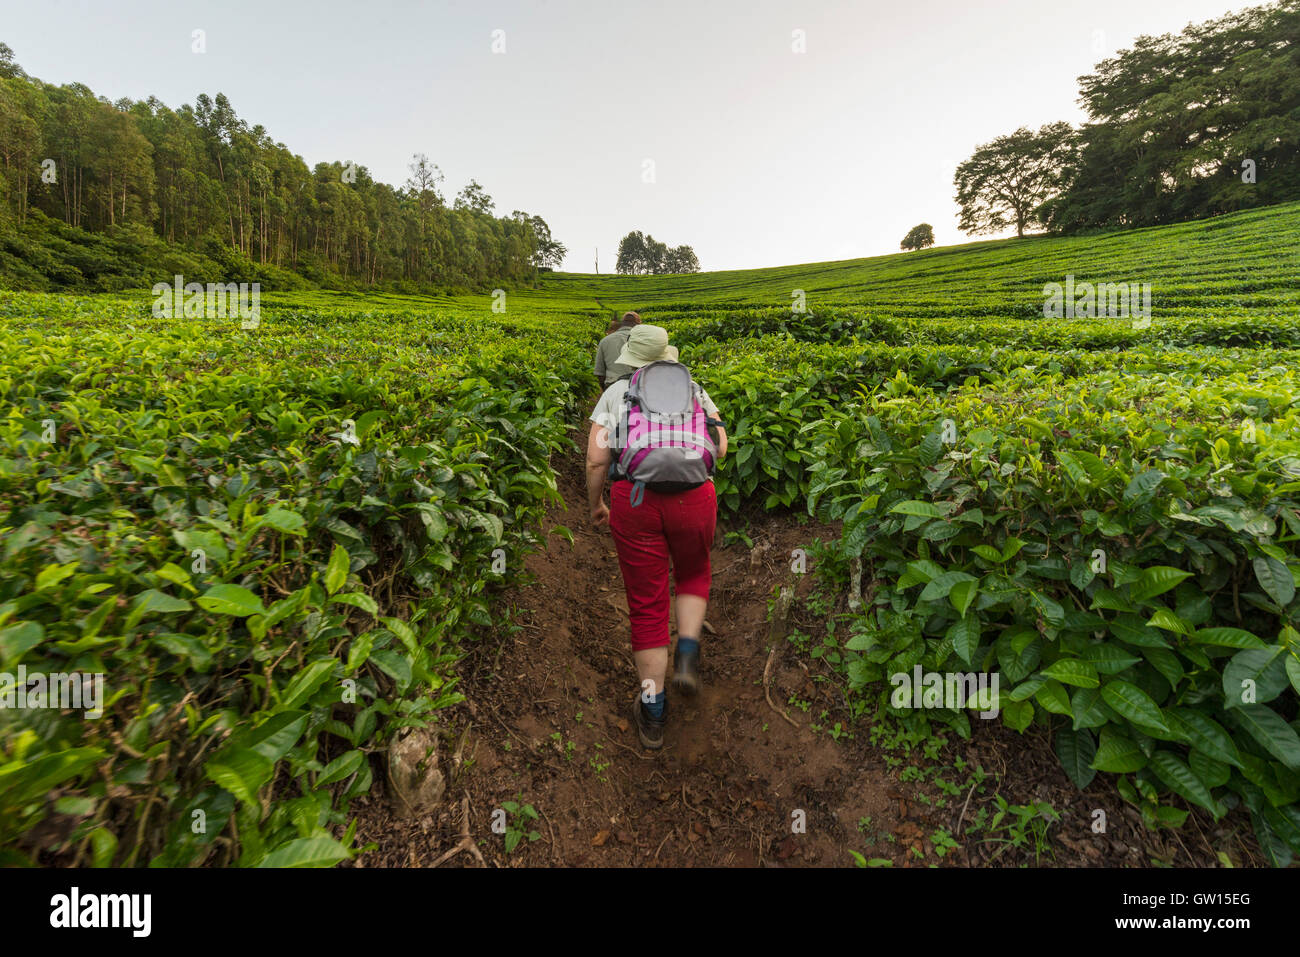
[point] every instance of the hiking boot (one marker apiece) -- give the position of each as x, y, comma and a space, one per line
650, 730
686, 671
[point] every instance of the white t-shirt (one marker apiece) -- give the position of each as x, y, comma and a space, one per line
610, 405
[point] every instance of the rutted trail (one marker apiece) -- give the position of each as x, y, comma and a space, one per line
550, 725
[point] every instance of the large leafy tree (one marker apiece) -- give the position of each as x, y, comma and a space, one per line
9, 67
681, 259
918, 237
474, 197
632, 253
656, 255
1174, 120
548, 252
641, 253
1006, 181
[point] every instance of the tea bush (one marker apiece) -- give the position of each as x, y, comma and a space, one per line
272, 543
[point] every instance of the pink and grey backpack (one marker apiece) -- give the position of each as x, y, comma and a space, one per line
662, 438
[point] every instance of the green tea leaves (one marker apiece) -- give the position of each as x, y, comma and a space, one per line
231, 600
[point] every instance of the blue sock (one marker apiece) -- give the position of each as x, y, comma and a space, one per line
655, 706
685, 645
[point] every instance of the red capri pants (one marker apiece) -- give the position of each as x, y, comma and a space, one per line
679, 525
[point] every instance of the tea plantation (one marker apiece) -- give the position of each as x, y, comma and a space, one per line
275, 543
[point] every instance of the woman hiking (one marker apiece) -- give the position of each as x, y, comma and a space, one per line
657, 435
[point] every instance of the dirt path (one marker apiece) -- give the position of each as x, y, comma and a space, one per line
548, 717
550, 723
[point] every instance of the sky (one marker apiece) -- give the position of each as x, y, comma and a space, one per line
759, 132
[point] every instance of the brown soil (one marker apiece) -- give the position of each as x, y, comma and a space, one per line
549, 725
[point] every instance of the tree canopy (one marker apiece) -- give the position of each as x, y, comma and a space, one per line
1190, 125
642, 253
1179, 127
918, 237
149, 179
1006, 181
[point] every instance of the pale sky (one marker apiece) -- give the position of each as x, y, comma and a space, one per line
761, 156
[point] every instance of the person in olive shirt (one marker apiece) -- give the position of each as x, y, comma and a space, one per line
608, 369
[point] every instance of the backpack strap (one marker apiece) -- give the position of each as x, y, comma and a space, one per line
632, 378
621, 426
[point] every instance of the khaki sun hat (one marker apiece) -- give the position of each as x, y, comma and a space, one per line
646, 344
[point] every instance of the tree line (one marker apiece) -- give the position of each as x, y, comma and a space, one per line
642, 253
199, 188
1179, 127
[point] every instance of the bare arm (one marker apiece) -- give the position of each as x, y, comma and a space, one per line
598, 459
717, 432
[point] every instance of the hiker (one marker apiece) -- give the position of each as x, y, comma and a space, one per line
608, 367
656, 433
